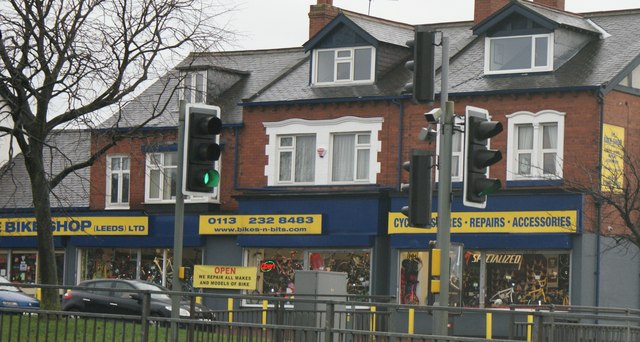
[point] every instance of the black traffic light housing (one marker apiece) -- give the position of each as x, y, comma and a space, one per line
478, 157
201, 149
419, 209
422, 65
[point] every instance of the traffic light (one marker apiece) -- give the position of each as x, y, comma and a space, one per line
422, 65
201, 149
419, 208
478, 157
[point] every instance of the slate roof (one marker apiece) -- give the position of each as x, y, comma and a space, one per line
600, 63
254, 69
69, 147
596, 65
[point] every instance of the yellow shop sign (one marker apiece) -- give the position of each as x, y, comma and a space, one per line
554, 221
78, 226
224, 277
260, 224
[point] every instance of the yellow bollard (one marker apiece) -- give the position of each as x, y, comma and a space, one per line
412, 315
230, 309
265, 306
489, 326
373, 319
529, 327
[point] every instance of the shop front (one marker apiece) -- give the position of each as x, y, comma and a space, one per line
119, 245
517, 251
279, 235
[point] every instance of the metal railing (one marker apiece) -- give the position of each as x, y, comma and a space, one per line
310, 318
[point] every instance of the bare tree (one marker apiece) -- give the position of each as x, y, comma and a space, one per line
63, 61
614, 187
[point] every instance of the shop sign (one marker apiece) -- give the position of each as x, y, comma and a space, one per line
612, 158
75, 226
554, 221
494, 258
260, 224
224, 277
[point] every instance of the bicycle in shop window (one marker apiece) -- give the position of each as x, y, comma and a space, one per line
358, 274
280, 277
410, 269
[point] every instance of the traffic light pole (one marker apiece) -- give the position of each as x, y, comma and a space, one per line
441, 317
179, 225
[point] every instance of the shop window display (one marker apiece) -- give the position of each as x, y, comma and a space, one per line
4, 265
23, 267
357, 265
414, 277
518, 278
155, 264
276, 268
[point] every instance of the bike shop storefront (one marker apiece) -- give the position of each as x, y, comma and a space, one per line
279, 235
133, 247
19, 250
517, 251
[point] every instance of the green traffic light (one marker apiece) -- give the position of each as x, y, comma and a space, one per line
211, 178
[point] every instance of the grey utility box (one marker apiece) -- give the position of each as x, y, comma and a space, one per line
313, 290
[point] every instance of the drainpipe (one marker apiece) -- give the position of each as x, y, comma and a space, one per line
600, 96
400, 104
235, 157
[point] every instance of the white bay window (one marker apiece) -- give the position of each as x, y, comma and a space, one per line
321, 152
535, 145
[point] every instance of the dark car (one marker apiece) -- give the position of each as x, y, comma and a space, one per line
123, 297
13, 297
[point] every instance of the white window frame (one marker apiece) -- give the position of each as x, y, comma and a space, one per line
457, 134
340, 60
533, 68
357, 147
119, 204
537, 120
324, 131
161, 167
213, 198
189, 82
294, 156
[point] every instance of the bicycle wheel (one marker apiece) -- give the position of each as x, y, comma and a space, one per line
411, 298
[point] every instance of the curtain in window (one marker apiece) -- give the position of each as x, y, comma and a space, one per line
549, 142
343, 157
305, 158
525, 146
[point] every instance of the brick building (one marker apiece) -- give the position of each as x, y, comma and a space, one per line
313, 142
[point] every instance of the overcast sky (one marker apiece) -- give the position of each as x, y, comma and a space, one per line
264, 24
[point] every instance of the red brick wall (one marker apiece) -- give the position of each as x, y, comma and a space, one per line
581, 121
133, 148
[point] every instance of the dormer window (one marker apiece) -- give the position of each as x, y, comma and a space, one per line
343, 65
519, 54
194, 85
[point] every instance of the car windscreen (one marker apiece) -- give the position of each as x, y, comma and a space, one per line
5, 287
151, 287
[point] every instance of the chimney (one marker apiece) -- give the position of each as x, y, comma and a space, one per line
320, 15
485, 8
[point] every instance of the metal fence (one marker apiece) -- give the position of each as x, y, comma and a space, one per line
310, 318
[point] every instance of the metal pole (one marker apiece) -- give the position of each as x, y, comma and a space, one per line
179, 225
441, 317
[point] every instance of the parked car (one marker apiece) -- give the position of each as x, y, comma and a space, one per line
124, 297
13, 297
